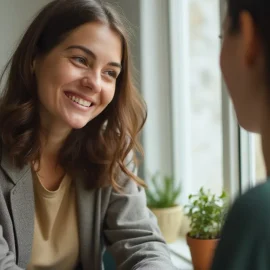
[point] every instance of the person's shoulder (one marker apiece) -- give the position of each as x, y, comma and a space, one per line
258, 195
254, 204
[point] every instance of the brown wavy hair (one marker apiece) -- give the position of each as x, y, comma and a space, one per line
99, 151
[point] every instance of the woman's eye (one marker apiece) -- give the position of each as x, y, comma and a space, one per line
80, 60
111, 73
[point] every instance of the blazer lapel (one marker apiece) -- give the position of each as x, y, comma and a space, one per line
22, 207
86, 206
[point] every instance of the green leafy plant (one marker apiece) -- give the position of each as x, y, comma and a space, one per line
207, 213
163, 192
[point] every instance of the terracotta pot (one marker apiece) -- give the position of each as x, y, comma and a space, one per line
202, 252
169, 221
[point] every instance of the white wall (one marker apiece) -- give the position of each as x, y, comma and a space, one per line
15, 15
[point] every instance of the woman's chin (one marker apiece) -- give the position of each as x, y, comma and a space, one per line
251, 129
249, 125
76, 123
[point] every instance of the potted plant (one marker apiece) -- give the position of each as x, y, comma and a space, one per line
206, 212
162, 198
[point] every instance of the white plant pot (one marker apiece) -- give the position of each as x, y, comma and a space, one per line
169, 221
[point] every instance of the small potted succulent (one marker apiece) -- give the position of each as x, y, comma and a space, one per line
162, 196
206, 212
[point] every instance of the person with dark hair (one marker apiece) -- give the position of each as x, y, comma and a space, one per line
70, 117
245, 63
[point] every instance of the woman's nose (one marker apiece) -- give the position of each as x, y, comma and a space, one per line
92, 81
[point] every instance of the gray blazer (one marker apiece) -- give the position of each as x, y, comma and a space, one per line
121, 222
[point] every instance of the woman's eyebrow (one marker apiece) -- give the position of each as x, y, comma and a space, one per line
91, 54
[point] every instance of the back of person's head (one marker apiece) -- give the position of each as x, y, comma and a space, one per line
103, 144
245, 60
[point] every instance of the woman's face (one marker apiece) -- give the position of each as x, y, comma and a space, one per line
77, 79
242, 65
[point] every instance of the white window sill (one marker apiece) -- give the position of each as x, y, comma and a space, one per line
180, 254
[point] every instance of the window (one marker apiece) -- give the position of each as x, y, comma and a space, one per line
182, 86
259, 162
205, 95
196, 95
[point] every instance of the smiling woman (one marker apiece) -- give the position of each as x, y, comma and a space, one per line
77, 82
70, 118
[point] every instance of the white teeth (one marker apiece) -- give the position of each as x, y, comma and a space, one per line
80, 101
86, 103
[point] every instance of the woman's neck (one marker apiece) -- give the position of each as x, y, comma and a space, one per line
49, 171
52, 141
265, 138
266, 153
53, 134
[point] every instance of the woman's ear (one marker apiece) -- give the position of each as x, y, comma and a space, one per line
250, 38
